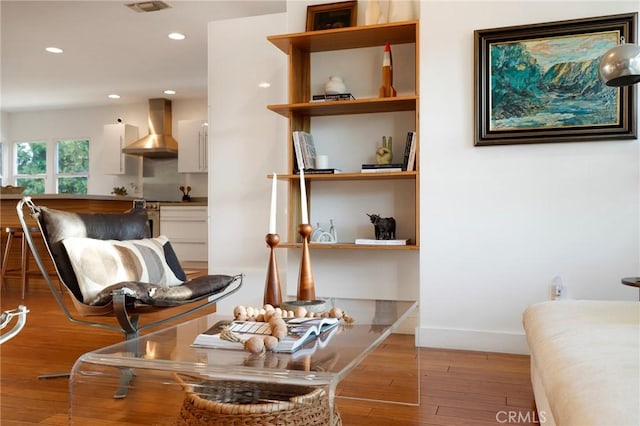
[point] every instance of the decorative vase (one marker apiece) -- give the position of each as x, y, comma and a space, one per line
334, 86
387, 90
401, 10
372, 13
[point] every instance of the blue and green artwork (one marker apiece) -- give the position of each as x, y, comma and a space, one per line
551, 83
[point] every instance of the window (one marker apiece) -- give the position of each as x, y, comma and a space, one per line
31, 166
69, 170
72, 172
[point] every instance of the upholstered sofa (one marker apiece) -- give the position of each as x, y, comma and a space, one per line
585, 361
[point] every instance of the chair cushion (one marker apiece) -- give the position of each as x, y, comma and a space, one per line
155, 295
58, 225
101, 263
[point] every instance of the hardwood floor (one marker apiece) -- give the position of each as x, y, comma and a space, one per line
457, 387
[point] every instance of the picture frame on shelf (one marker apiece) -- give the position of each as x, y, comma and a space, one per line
540, 83
332, 15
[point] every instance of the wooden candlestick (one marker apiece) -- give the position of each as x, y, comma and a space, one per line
306, 286
272, 288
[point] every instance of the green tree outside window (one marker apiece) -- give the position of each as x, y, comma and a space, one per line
73, 166
31, 166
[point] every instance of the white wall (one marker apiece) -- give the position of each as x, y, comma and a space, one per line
245, 146
4, 137
498, 223
89, 123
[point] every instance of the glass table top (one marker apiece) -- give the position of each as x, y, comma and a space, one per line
171, 349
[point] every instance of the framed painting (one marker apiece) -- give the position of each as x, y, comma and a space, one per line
541, 83
332, 15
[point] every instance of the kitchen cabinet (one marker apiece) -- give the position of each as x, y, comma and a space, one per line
116, 137
187, 229
398, 190
192, 146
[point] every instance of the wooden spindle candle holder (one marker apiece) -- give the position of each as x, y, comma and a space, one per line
306, 285
272, 288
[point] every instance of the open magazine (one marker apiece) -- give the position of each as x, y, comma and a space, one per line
299, 331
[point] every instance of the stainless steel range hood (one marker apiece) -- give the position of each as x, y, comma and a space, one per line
159, 143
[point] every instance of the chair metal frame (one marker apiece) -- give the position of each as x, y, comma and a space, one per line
123, 307
5, 318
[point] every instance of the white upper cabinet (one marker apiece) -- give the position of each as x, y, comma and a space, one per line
192, 146
116, 137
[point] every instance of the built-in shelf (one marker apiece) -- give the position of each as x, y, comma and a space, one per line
351, 176
299, 111
347, 38
357, 106
408, 247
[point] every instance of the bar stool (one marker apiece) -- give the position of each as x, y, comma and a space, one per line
12, 234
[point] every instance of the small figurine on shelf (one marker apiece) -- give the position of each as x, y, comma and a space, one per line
322, 235
384, 153
387, 90
334, 86
384, 227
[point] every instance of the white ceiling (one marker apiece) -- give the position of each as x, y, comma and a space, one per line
108, 48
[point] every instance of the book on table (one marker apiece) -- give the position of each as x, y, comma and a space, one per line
299, 331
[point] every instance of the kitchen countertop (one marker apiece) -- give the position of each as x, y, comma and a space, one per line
183, 203
195, 202
69, 197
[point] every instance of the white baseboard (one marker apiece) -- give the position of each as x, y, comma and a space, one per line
472, 340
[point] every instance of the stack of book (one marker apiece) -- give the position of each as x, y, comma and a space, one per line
334, 97
318, 171
381, 168
372, 242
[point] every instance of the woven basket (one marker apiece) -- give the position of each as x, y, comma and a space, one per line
236, 403
11, 190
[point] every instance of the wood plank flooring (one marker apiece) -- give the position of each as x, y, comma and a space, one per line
456, 387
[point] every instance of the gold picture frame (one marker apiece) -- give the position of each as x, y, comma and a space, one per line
332, 15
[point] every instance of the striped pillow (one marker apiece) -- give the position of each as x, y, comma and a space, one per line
101, 263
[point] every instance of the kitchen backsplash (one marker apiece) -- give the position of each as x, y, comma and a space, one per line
161, 181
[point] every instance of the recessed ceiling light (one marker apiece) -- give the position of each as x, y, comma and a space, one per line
176, 36
114, 96
264, 85
169, 92
54, 49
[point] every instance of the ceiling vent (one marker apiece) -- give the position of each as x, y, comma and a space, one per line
147, 6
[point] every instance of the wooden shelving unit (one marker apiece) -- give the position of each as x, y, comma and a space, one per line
351, 176
358, 106
299, 111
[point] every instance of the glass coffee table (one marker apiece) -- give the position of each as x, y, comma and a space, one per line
147, 380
